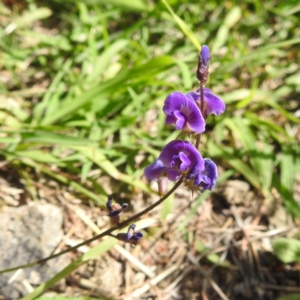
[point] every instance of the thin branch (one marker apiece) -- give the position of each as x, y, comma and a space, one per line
101, 235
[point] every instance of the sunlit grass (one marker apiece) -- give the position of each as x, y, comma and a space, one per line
78, 81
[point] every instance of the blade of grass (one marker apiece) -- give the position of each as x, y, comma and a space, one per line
101, 160
93, 253
183, 26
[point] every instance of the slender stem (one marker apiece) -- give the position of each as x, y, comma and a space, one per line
101, 235
197, 144
201, 107
202, 97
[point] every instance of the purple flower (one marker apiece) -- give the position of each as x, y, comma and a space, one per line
205, 55
157, 170
206, 179
176, 159
131, 236
115, 209
212, 103
183, 112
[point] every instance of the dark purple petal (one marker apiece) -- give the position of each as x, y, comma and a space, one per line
176, 153
206, 179
114, 209
180, 120
130, 232
170, 120
194, 95
185, 162
205, 55
155, 170
173, 175
136, 236
183, 113
211, 172
199, 178
131, 236
215, 105
115, 212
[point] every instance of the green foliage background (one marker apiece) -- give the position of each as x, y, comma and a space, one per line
80, 77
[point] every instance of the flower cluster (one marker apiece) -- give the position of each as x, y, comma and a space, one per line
180, 159
188, 112
114, 211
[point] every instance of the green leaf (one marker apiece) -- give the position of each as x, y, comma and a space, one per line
44, 137
104, 60
136, 5
234, 161
287, 249
290, 297
31, 16
101, 160
210, 256
186, 74
291, 205
223, 33
258, 54
38, 156
183, 26
71, 105
95, 252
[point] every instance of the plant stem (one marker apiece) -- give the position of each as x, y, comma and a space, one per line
201, 107
101, 235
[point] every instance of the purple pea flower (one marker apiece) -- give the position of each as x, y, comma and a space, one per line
212, 103
206, 179
115, 209
176, 159
183, 112
131, 236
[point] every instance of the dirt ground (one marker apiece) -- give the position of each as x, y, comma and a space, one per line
223, 251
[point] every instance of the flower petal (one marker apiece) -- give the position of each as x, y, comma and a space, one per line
175, 150
185, 162
130, 232
155, 170
211, 172
183, 112
215, 105
180, 120
136, 236
173, 175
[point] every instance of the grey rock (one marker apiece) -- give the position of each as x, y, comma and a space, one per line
29, 233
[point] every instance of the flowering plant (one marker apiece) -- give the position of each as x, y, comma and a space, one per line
188, 112
179, 161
